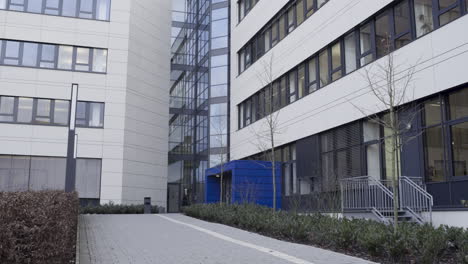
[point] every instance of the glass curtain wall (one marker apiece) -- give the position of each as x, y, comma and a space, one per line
198, 137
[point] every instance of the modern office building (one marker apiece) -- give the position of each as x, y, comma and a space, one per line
118, 53
198, 125
330, 120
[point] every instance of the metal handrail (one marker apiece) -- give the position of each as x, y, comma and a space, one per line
415, 199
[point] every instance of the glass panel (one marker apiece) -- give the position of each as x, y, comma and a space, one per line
402, 24
423, 15
86, 9
65, 58
300, 11
283, 92
82, 59
25, 107
3, 4
81, 114
61, 112
336, 61
312, 66
267, 40
291, 18
320, 3
35, 6
29, 54
96, 115
310, 7
7, 105
459, 104
450, 15
366, 43
292, 86
47, 173
350, 53
301, 82
268, 109
274, 33
323, 66
282, 27
88, 178
100, 60
52, 7
371, 131
14, 173
382, 35
460, 149
103, 9
69, 8
432, 112
47, 56
435, 162
43, 111
17, 5
12, 52
373, 161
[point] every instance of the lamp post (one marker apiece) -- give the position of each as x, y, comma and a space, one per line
72, 142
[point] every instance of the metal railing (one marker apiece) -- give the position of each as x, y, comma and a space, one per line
366, 193
415, 200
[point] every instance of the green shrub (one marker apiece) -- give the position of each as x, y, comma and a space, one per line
38, 227
409, 243
112, 208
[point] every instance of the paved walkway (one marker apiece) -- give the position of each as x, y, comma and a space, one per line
178, 239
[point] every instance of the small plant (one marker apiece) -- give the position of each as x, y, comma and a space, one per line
406, 244
112, 208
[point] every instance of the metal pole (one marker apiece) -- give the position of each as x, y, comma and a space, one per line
72, 142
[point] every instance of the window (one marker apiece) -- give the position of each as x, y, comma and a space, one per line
365, 39
301, 82
433, 112
336, 61
29, 54
274, 33
292, 86
103, 9
310, 8
449, 10
17, 5
300, 12
86, 9
7, 106
435, 162
14, 173
350, 52
61, 112
382, 35
3, 4
82, 59
321, 3
282, 27
88, 178
52, 7
47, 173
460, 149
312, 74
65, 57
35, 6
401, 14
276, 100
423, 17
43, 111
241, 116
323, 66
69, 8
283, 92
291, 19
25, 110
268, 105
267, 36
47, 59
458, 102
12, 52
241, 61
96, 115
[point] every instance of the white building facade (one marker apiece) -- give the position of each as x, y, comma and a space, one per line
320, 52
118, 52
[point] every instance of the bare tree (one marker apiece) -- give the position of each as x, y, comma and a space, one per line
390, 84
219, 131
269, 126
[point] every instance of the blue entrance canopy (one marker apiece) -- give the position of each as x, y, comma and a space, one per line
244, 181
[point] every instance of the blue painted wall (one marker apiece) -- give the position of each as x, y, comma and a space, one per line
251, 183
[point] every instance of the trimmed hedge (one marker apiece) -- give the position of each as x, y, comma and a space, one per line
363, 238
38, 227
112, 208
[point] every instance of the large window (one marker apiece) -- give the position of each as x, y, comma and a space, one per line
89, 9
244, 7
22, 173
52, 56
39, 111
284, 22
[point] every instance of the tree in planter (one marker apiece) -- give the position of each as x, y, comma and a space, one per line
390, 83
218, 130
268, 128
